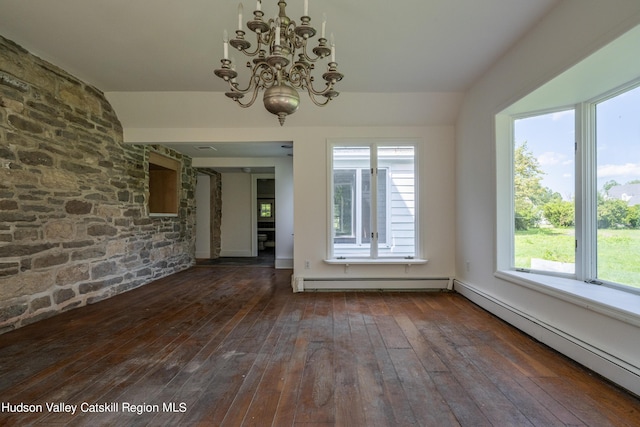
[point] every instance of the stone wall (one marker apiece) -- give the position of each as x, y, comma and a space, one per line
74, 222
216, 214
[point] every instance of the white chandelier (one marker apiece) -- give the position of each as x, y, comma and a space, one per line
275, 67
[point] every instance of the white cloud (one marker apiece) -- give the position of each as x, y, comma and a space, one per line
549, 158
628, 169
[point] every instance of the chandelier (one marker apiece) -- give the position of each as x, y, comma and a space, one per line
274, 67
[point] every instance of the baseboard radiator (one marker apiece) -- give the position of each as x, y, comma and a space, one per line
599, 360
301, 284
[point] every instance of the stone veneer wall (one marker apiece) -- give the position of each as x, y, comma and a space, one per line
216, 214
74, 223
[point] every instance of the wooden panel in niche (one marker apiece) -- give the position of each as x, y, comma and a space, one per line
164, 174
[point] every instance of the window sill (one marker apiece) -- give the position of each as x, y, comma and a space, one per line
159, 215
614, 303
368, 261
347, 262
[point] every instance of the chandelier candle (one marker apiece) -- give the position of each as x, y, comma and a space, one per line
333, 49
282, 62
225, 43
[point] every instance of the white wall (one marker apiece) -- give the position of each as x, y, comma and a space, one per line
571, 32
203, 216
236, 193
302, 232
209, 117
436, 195
236, 224
284, 212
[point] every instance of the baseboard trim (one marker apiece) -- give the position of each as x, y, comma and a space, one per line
594, 358
284, 263
301, 284
231, 254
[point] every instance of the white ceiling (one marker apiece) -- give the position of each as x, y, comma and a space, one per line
435, 47
169, 45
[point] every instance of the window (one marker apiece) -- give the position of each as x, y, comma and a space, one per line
163, 185
582, 219
617, 153
544, 192
373, 200
265, 209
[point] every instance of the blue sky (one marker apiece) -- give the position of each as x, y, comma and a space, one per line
551, 137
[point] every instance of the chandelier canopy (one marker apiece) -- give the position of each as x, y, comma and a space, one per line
274, 67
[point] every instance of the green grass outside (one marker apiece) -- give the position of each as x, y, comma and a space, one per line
618, 251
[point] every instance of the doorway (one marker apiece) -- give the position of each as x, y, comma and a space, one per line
230, 224
265, 216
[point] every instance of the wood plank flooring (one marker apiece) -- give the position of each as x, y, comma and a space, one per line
229, 346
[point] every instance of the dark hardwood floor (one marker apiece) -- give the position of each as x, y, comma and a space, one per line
230, 346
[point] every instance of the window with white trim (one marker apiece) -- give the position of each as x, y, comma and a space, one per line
373, 200
617, 194
544, 191
589, 227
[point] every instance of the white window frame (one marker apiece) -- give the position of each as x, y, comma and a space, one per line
585, 191
577, 206
590, 236
373, 256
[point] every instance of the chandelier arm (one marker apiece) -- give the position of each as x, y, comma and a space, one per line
251, 101
260, 72
306, 55
312, 96
314, 91
234, 87
291, 37
299, 76
300, 43
266, 76
251, 54
262, 40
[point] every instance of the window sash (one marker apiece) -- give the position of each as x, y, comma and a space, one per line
352, 206
613, 211
543, 148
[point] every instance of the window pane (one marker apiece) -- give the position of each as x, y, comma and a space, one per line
351, 201
365, 200
344, 188
618, 174
396, 214
382, 206
544, 201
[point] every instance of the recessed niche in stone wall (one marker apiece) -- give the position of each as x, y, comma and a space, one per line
164, 185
